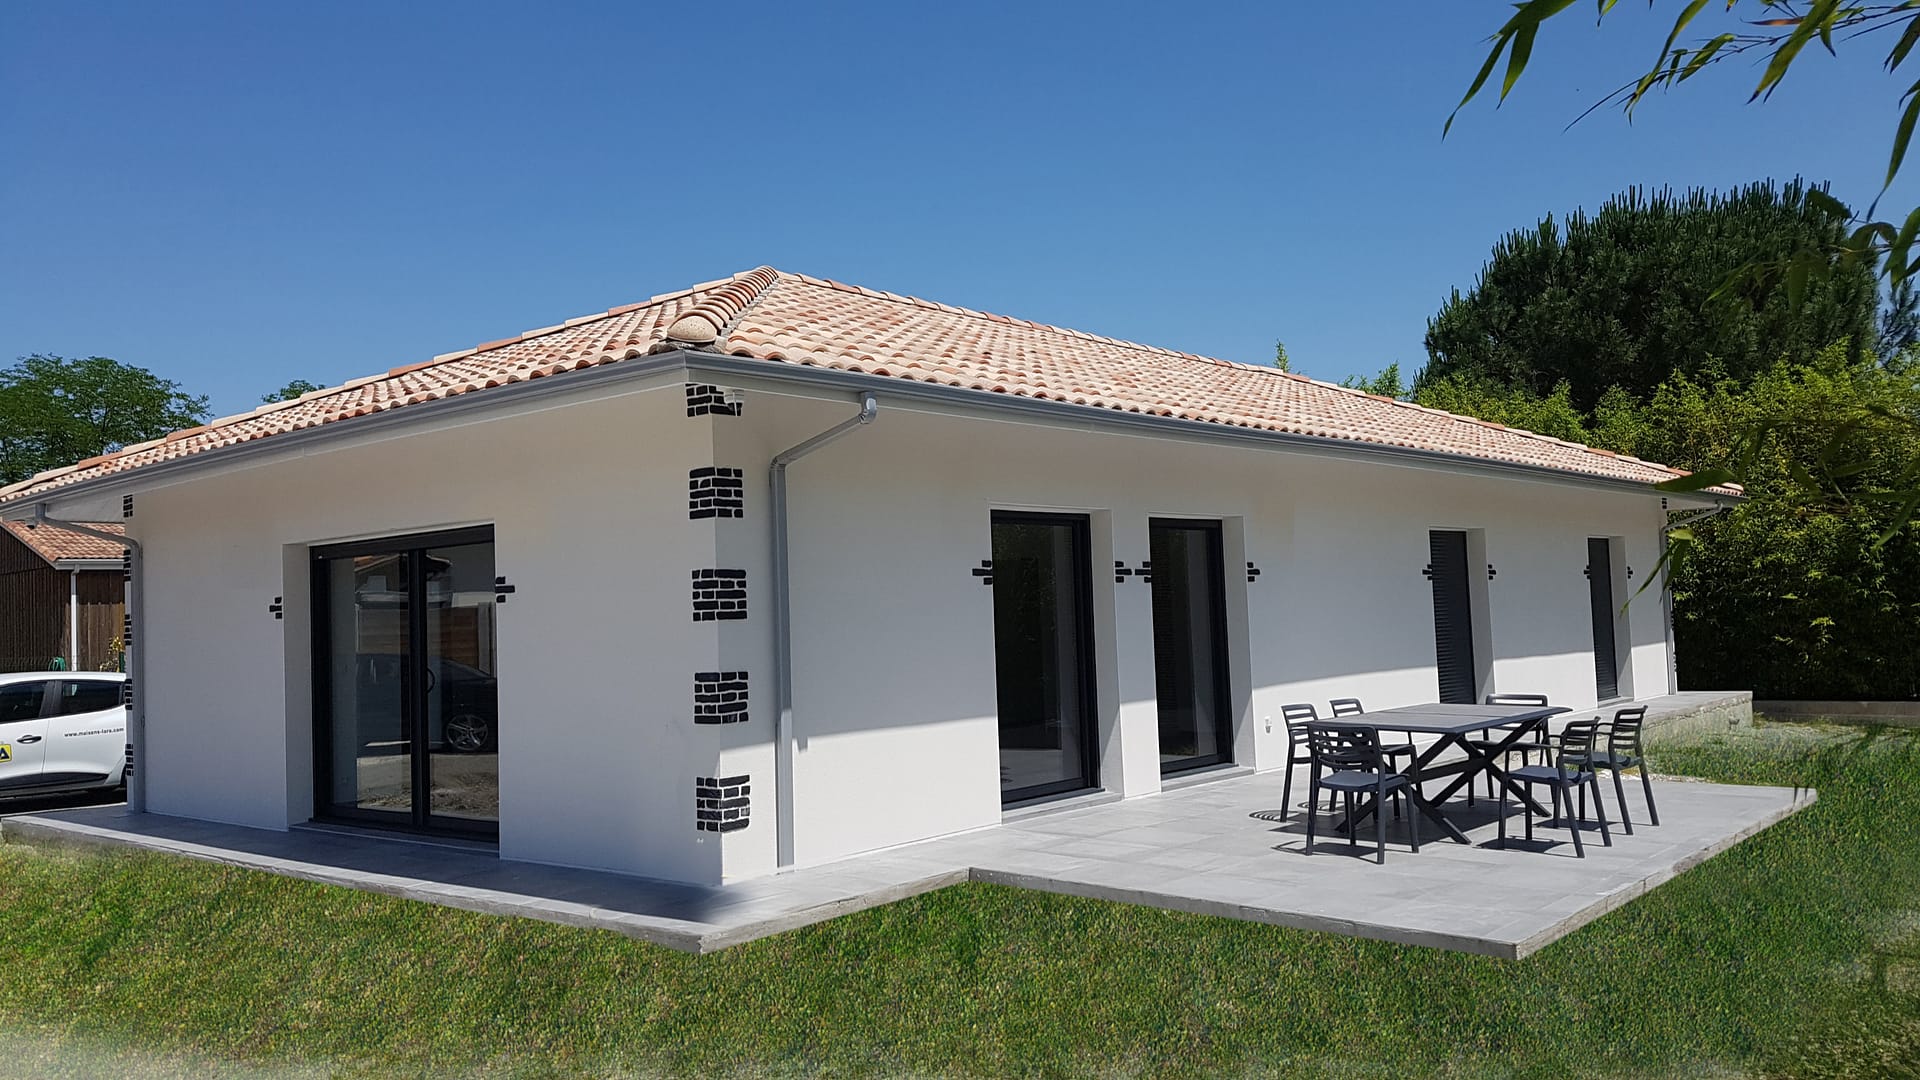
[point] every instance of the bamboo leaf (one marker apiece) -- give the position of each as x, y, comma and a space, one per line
1797, 272
1704, 55
1784, 56
1517, 56
1698, 481
1908, 37
1903, 134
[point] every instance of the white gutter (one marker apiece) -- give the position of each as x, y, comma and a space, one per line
783, 622
136, 652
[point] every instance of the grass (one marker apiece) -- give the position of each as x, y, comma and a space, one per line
1778, 958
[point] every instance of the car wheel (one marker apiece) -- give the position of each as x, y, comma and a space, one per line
469, 733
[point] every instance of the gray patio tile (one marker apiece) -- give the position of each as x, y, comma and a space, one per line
1193, 849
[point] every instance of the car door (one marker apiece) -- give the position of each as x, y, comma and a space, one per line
86, 732
23, 732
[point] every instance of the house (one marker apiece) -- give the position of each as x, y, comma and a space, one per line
62, 597
775, 570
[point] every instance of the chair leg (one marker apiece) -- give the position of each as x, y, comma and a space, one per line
1286, 791
1503, 816
1620, 793
1599, 809
1527, 806
1313, 798
1583, 801
1579, 850
1647, 784
1379, 826
1353, 836
1413, 827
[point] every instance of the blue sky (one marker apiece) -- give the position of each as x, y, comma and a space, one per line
236, 195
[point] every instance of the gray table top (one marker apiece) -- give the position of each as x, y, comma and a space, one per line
1438, 719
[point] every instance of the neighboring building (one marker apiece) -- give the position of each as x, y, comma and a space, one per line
558, 588
62, 597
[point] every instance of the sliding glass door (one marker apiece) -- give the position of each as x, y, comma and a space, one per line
405, 698
1043, 654
1189, 644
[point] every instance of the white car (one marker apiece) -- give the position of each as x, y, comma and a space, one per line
62, 731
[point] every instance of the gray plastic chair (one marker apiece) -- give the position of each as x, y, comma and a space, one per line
1350, 706
1568, 774
1624, 752
1524, 750
1347, 762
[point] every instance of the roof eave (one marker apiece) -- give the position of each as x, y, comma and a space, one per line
583, 382
717, 367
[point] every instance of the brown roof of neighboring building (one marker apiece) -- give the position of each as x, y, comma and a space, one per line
55, 544
791, 318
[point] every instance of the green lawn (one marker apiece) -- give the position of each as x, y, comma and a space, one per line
1777, 958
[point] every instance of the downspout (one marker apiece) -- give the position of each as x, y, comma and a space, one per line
136, 652
783, 622
1666, 583
73, 620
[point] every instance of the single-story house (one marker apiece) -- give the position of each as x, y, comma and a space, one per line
775, 570
62, 597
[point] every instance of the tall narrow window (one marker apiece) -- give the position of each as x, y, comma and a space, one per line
1043, 654
1606, 657
1189, 644
1452, 616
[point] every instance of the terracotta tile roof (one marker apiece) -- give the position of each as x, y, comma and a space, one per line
55, 544
792, 318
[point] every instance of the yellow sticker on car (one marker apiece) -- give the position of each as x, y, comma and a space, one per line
6, 751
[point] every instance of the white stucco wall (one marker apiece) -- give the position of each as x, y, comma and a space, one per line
596, 646
893, 637
896, 737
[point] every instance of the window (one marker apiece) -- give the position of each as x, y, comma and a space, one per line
88, 696
21, 701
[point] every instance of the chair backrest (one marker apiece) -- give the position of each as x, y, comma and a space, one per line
1296, 717
1516, 699
1623, 737
1346, 706
1351, 748
1576, 742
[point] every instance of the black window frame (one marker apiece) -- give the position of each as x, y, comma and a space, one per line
414, 691
1223, 660
1080, 526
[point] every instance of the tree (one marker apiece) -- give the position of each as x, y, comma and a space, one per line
294, 389
1626, 297
1385, 384
1780, 37
1280, 359
1797, 595
55, 411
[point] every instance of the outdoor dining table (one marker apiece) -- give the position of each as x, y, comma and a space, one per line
1453, 723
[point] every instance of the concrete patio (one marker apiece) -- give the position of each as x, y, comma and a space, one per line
1196, 848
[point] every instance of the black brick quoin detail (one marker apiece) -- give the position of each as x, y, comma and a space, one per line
1121, 573
716, 492
719, 594
277, 608
705, 400
126, 506
1253, 573
721, 804
719, 697
984, 571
